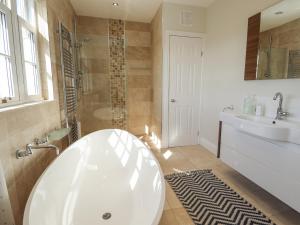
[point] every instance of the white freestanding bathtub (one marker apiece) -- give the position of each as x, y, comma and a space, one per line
107, 177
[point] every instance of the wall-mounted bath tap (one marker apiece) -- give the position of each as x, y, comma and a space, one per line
280, 114
37, 145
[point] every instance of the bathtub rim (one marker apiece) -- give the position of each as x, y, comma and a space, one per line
160, 209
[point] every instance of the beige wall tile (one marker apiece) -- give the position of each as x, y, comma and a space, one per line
136, 26
139, 64
139, 108
138, 53
139, 76
94, 65
136, 124
91, 25
139, 81
94, 51
157, 59
139, 95
132, 71
138, 39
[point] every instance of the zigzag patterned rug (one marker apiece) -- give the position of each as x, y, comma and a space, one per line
209, 201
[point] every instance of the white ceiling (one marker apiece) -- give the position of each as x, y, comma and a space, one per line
290, 9
131, 10
201, 3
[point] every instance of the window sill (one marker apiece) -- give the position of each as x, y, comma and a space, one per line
24, 105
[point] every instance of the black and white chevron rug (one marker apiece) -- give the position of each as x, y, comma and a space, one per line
209, 201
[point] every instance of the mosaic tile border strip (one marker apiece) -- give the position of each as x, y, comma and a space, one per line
117, 72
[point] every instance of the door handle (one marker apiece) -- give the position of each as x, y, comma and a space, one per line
173, 100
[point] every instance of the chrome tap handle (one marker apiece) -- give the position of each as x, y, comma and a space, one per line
284, 114
23, 153
38, 141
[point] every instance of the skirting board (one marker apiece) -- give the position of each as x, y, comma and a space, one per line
209, 145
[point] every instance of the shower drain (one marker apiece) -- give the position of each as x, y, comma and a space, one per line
106, 216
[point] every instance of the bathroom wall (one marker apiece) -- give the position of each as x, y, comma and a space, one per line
117, 75
139, 76
157, 62
223, 82
20, 125
168, 18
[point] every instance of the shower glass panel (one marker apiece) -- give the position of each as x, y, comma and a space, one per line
100, 74
95, 98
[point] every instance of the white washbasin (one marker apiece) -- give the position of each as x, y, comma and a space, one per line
287, 131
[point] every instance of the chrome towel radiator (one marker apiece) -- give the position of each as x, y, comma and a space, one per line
69, 82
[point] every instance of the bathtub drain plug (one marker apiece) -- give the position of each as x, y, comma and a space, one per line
106, 216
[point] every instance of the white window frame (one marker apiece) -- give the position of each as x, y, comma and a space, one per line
17, 53
8, 15
2, 1
29, 27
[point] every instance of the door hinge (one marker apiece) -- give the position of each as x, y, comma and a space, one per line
198, 133
202, 53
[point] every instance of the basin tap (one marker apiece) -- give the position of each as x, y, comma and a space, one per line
280, 114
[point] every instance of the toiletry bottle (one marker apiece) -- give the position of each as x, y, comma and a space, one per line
259, 111
253, 105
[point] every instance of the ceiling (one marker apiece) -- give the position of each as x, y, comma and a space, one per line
201, 3
131, 10
290, 10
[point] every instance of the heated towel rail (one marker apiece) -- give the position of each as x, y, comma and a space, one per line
69, 82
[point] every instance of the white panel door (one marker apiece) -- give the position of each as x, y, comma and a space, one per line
184, 90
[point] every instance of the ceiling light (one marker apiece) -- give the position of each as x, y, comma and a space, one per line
115, 4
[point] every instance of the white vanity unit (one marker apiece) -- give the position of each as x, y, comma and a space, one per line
265, 151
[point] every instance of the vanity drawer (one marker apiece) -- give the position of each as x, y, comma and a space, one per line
280, 184
229, 136
278, 156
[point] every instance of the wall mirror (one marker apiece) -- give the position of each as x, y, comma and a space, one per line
273, 43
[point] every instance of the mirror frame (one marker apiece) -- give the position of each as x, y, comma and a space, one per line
252, 47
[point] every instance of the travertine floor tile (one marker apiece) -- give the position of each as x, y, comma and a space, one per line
166, 206
168, 218
196, 157
288, 217
172, 200
182, 217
